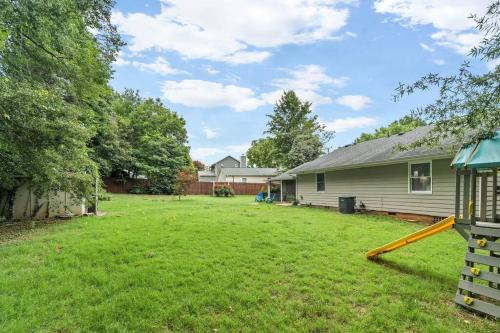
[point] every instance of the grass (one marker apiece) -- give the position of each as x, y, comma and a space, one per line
153, 264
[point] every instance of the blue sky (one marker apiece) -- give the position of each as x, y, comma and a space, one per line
223, 64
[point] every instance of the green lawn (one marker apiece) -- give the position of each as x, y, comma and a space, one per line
153, 264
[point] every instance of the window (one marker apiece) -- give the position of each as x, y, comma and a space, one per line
420, 177
243, 180
320, 182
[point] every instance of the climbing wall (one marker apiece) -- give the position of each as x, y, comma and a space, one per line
479, 285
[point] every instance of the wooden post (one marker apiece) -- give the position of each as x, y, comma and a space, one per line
483, 197
457, 194
281, 191
473, 194
465, 200
494, 196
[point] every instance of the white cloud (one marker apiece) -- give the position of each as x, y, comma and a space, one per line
206, 152
355, 102
493, 64
210, 133
449, 17
306, 81
237, 31
210, 70
160, 65
238, 149
345, 124
439, 62
203, 153
207, 94
427, 47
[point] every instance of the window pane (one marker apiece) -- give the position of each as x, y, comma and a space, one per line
421, 184
421, 169
320, 182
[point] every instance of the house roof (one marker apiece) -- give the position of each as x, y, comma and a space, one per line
206, 174
377, 152
262, 172
224, 159
284, 176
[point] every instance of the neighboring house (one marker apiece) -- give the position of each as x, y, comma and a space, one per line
229, 169
383, 178
247, 175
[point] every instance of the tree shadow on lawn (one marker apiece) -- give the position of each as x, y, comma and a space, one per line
423, 274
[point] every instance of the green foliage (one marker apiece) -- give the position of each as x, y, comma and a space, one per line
290, 120
263, 154
468, 106
403, 125
305, 148
142, 137
223, 191
53, 73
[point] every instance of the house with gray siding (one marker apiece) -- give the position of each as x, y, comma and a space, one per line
229, 169
382, 177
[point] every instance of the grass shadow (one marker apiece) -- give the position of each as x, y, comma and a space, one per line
420, 273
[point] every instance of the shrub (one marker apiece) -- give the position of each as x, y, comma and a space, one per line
223, 191
104, 196
137, 189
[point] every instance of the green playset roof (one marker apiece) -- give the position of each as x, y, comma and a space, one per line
483, 155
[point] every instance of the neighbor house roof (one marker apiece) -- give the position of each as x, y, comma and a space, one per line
377, 152
284, 176
263, 172
206, 174
222, 159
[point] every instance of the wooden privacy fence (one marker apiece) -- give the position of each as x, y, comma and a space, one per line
239, 188
206, 188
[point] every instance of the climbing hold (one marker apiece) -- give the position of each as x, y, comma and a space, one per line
476, 271
481, 242
468, 300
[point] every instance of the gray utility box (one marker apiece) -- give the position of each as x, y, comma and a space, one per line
346, 205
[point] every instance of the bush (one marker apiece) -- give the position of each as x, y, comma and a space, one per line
104, 196
223, 191
137, 189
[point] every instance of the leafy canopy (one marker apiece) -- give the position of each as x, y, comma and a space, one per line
290, 123
53, 73
403, 125
468, 106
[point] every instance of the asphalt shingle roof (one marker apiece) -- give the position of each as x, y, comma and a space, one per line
269, 172
377, 151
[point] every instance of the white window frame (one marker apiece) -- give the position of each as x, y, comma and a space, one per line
410, 191
243, 179
324, 181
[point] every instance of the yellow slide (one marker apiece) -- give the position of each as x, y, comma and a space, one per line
444, 225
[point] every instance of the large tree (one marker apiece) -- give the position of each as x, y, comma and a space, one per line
55, 58
141, 137
468, 105
291, 121
403, 125
263, 154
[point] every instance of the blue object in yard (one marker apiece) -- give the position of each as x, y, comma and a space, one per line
272, 198
260, 197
